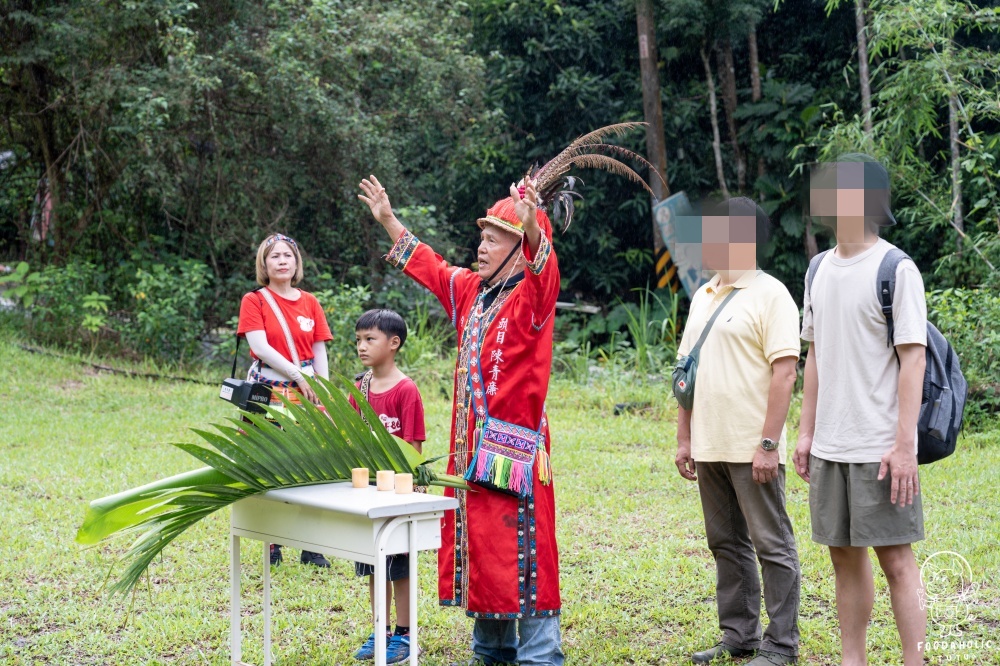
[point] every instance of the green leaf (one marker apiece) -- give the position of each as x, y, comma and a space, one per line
309, 447
117, 512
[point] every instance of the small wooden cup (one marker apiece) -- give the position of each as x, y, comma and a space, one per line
404, 484
359, 477
384, 479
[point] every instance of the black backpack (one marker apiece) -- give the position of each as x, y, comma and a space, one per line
945, 388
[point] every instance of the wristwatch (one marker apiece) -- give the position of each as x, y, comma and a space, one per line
768, 444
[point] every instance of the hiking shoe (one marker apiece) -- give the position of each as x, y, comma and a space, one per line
768, 658
315, 559
275, 554
367, 649
721, 650
398, 649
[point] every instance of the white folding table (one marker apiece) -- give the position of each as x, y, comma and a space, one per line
341, 521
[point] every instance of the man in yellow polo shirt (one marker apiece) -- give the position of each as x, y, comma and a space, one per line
732, 440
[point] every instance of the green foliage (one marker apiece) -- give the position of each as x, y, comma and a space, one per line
636, 340
654, 341
95, 319
193, 130
573, 360
167, 318
557, 70
429, 340
930, 52
166, 130
343, 305
63, 302
968, 318
25, 284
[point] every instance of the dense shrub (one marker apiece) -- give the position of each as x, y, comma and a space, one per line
60, 301
636, 338
166, 319
428, 355
343, 304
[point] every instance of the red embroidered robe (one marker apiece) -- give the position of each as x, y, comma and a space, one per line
498, 556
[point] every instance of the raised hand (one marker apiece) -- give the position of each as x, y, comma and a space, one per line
525, 208
526, 204
378, 201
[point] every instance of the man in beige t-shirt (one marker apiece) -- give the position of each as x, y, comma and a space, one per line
861, 397
732, 441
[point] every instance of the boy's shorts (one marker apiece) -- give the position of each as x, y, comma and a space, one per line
397, 568
849, 506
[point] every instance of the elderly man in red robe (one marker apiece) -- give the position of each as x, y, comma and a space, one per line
498, 558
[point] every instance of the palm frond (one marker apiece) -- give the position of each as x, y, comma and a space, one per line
309, 448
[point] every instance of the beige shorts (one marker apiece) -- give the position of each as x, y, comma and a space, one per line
849, 506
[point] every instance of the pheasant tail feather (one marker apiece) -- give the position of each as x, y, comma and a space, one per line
588, 151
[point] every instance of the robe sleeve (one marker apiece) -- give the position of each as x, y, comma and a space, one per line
541, 284
430, 270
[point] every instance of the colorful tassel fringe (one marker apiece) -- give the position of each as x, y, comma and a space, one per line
502, 473
544, 466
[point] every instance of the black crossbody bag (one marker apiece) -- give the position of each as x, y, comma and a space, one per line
686, 370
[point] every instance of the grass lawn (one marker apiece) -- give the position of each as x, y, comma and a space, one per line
637, 581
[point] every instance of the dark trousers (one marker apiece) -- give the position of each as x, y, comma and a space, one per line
745, 522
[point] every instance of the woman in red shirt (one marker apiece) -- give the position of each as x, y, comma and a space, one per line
279, 269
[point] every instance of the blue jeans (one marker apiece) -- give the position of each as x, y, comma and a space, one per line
533, 641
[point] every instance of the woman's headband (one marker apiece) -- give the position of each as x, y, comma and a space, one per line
279, 237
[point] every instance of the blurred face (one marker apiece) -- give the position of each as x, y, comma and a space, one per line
375, 347
729, 244
280, 262
494, 246
841, 198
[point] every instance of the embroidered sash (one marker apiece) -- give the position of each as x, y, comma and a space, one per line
505, 452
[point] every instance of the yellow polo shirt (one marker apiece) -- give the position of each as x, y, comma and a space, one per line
759, 325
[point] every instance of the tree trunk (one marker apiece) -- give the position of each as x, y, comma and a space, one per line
956, 170
727, 76
811, 246
45, 135
755, 90
656, 151
863, 78
714, 115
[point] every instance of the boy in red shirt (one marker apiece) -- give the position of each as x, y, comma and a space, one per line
394, 397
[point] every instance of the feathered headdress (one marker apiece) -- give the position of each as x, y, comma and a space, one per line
591, 151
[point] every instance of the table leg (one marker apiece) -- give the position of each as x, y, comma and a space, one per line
380, 609
413, 593
267, 604
236, 652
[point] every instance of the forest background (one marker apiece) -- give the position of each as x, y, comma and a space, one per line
146, 147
